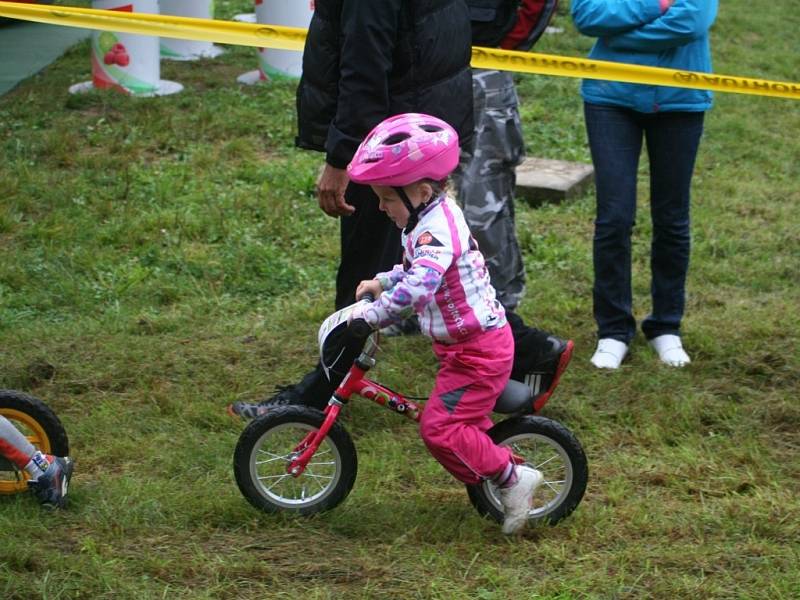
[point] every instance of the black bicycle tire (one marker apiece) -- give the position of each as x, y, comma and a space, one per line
555, 431
42, 414
284, 415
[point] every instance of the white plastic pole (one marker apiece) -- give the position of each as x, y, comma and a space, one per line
176, 49
126, 62
280, 63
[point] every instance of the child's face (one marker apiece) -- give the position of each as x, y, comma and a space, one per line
389, 200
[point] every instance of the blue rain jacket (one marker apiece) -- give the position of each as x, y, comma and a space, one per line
637, 32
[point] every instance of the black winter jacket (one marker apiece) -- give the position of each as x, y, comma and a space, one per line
366, 60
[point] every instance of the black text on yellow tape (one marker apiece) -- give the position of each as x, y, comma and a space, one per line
563, 66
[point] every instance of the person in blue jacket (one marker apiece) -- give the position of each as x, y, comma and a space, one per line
619, 116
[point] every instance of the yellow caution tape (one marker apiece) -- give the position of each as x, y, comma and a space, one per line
293, 38
564, 66
188, 28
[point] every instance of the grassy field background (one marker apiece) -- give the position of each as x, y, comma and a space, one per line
160, 258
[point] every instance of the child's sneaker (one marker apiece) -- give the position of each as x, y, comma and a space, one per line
518, 498
51, 488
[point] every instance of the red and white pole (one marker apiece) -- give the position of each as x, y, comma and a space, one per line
126, 62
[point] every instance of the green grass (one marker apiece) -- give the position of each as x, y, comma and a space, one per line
160, 258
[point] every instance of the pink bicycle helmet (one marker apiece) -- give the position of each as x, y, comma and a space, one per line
405, 149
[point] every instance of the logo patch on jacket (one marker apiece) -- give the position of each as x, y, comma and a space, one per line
427, 239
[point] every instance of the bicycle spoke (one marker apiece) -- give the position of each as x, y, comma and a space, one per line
314, 476
281, 458
281, 478
272, 454
319, 464
560, 482
541, 464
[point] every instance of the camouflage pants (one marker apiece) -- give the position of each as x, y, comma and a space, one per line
486, 177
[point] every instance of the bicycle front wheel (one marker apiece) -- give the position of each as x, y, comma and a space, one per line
270, 443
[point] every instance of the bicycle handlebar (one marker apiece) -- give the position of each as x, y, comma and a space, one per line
358, 328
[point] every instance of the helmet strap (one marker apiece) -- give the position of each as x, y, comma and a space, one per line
413, 212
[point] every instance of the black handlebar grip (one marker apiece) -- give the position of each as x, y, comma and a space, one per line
367, 297
359, 329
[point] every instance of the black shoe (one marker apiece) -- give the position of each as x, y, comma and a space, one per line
545, 376
540, 359
51, 487
284, 396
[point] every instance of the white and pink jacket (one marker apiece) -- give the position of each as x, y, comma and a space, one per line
443, 279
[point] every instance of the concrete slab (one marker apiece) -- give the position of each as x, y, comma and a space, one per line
547, 180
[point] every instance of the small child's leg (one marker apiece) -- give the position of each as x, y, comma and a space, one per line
506, 477
455, 420
16, 448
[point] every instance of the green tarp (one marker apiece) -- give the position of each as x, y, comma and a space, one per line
26, 48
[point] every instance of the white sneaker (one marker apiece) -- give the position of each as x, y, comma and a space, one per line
518, 498
609, 353
670, 350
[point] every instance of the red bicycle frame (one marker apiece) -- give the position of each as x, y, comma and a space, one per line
353, 383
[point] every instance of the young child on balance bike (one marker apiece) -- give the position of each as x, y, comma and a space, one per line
443, 279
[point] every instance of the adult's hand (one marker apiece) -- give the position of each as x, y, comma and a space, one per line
331, 184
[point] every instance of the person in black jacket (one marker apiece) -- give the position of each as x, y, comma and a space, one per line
363, 62
366, 60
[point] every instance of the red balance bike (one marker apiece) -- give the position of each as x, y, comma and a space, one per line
302, 460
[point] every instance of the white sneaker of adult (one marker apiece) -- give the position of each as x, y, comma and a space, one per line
670, 350
518, 498
609, 353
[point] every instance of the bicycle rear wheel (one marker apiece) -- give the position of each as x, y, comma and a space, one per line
269, 444
551, 448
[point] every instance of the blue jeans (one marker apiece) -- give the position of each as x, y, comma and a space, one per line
615, 139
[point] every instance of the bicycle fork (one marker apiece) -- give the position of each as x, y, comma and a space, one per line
353, 383
305, 450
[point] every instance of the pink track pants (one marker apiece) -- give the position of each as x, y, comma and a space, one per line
456, 417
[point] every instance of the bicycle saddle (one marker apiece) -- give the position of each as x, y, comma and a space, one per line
515, 397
